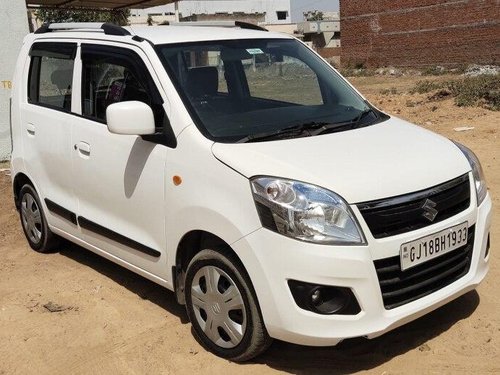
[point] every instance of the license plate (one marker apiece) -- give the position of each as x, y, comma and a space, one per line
429, 247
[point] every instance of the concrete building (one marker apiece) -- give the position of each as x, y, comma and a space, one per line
322, 34
276, 11
420, 32
14, 19
331, 16
255, 18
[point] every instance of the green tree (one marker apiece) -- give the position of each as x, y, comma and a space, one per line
313, 15
118, 17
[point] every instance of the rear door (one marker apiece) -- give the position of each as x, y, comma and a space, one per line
47, 116
119, 179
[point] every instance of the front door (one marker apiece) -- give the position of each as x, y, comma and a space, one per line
119, 179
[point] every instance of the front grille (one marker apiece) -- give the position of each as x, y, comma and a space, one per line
404, 213
401, 287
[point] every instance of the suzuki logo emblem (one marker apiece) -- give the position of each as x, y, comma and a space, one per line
430, 212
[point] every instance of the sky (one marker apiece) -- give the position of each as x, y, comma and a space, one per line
301, 6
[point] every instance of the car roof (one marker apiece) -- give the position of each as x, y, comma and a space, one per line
184, 34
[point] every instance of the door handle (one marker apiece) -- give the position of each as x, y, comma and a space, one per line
30, 128
83, 148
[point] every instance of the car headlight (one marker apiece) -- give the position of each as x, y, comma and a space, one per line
305, 212
477, 172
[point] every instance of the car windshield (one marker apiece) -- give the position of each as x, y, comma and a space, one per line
239, 89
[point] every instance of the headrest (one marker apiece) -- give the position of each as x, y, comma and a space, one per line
62, 78
203, 81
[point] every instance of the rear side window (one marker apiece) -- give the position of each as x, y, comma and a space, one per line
111, 75
51, 75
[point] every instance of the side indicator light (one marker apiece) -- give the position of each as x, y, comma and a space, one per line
177, 180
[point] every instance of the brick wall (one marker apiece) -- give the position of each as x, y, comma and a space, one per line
330, 52
420, 32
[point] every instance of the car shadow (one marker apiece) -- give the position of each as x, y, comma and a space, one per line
137, 284
360, 354
351, 355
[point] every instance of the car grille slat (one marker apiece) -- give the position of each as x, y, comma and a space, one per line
443, 264
405, 213
388, 268
401, 287
427, 282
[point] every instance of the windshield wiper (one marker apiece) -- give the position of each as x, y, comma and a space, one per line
362, 115
301, 129
351, 124
307, 129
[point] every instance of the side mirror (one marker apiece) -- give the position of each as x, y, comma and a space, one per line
130, 118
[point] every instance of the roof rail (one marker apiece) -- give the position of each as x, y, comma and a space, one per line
248, 25
240, 24
107, 28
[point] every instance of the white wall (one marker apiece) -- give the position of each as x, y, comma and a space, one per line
14, 22
189, 7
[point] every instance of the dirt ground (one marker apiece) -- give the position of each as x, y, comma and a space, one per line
116, 322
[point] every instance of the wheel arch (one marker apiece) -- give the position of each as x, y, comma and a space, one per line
191, 244
19, 181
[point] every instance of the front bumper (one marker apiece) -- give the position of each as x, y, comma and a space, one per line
271, 260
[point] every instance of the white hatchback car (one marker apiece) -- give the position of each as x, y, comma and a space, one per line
237, 168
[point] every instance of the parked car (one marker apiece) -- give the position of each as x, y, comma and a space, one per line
237, 168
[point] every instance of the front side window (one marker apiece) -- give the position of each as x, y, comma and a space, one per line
112, 75
51, 75
239, 89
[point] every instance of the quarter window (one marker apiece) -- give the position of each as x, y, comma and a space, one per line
51, 75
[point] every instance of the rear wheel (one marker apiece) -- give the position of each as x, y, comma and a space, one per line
223, 308
33, 221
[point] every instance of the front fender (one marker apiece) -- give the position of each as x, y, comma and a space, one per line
212, 197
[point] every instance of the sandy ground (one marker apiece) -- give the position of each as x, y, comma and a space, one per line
116, 322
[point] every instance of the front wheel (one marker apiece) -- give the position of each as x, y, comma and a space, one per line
222, 307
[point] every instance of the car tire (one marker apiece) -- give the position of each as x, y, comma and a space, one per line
34, 222
222, 307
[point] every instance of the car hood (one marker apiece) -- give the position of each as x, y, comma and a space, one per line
391, 158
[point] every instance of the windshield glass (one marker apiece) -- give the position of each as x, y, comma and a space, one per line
237, 89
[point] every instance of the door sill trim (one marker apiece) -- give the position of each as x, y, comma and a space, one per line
116, 237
